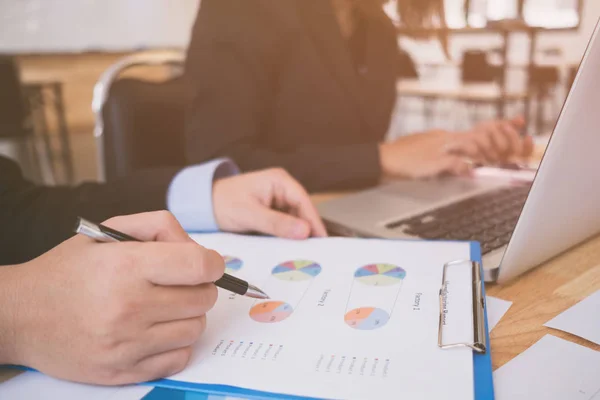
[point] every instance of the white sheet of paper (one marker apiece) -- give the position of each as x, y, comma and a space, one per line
583, 319
496, 308
337, 330
36, 386
551, 369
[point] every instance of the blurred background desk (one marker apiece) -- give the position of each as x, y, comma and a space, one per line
475, 96
44, 96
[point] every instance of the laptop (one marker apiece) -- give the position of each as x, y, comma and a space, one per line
519, 224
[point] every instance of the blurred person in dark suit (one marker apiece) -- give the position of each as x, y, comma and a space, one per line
310, 86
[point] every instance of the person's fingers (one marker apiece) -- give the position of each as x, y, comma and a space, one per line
528, 146
499, 141
513, 136
170, 303
157, 366
151, 226
458, 165
172, 335
450, 164
187, 264
465, 145
293, 194
280, 224
518, 122
485, 145
308, 212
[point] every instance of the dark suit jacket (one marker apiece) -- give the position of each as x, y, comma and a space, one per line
33, 219
272, 83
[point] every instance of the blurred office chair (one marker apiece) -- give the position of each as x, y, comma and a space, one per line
476, 68
139, 123
16, 127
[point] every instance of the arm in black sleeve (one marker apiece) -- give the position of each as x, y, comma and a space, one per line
234, 54
318, 168
33, 219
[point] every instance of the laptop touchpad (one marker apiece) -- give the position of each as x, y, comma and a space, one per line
431, 190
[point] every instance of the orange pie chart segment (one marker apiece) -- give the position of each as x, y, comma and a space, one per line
366, 318
271, 311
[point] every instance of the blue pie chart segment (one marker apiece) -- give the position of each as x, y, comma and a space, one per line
366, 318
233, 263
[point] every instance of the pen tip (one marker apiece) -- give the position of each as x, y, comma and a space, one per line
256, 293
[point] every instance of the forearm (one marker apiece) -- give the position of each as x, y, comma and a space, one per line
35, 219
10, 309
317, 167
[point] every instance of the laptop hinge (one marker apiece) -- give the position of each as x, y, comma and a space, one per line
491, 274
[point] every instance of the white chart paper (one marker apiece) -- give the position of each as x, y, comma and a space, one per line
348, 318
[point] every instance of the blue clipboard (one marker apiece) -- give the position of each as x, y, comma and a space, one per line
482, 363
171, 389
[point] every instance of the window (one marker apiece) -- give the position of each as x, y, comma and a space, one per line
538, 13
552, 13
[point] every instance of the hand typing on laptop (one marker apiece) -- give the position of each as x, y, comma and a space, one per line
438, 152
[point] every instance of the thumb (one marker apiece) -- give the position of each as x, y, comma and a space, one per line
279, 224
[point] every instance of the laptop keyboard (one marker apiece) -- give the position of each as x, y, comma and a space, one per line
489, 218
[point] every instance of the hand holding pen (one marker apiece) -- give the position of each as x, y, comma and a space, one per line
115, 313
103, 233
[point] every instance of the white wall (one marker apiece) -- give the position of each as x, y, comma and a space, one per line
117, 25
58, 26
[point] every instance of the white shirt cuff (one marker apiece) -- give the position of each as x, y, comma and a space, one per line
189, 197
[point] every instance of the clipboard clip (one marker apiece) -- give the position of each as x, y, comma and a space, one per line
479, 335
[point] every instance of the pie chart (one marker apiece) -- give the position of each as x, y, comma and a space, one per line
299, 270
271, 311
380, 274
233, 263
366, 318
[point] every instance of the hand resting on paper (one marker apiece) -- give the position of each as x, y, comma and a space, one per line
269, 201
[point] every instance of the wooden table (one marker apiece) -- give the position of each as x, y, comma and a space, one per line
540, 295
537, 296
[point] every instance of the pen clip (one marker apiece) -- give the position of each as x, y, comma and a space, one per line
91, 230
